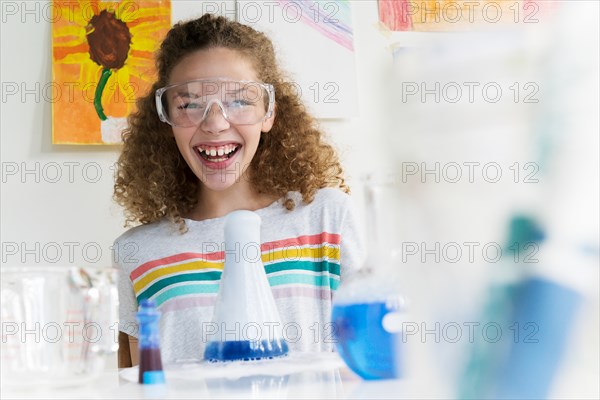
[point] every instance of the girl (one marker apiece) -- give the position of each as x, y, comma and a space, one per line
222, 130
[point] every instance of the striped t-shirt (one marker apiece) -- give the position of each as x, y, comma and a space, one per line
305, 252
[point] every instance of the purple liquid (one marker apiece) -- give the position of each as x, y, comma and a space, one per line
149, 361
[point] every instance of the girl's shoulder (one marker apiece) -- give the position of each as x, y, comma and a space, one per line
327, 204
331, 198
146, 232
332, 194
159, 240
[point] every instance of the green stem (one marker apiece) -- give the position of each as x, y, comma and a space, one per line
106, 72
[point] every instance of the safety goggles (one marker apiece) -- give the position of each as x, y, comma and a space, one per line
187, 104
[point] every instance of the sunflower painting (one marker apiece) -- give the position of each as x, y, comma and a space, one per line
102, 58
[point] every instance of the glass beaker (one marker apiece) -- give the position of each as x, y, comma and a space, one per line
58, 324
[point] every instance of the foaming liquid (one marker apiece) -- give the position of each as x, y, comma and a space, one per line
245, 350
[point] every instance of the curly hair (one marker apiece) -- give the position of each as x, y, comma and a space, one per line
154, 181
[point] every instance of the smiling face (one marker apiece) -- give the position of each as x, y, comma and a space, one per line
217, 151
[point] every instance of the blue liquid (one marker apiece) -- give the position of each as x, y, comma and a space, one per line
368, 349
245, 350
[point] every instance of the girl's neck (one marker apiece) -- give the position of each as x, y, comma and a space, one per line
214, 204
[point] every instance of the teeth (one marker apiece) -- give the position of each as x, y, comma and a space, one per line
218, 151
228, 149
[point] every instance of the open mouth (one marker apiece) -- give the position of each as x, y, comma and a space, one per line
217, 154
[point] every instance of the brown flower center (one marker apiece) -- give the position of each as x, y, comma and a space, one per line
109, 39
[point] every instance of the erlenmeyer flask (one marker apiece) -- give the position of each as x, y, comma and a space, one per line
367, 309
245, 316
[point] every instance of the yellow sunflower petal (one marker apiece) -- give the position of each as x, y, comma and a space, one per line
90, 72
146, 28
140, 43
70, 43
142, 12
69, 30
75, 58
81, 15
126, 87
140, 61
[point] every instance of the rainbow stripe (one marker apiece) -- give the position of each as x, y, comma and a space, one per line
306, 266
331, 19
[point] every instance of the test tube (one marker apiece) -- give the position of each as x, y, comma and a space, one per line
150, 368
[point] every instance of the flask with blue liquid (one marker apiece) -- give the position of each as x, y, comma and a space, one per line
246, 318
150, 368
367, 308
364, 337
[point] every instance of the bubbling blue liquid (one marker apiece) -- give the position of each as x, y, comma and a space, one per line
245, 350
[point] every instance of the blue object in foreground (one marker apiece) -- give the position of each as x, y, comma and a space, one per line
245, 350
545, 313
150, 368
366, 347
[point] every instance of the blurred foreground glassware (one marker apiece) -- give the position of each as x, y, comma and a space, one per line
367, 309
59, 324
538, 306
